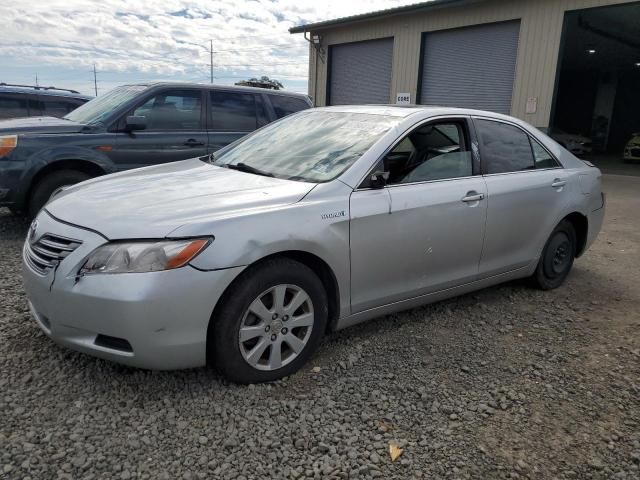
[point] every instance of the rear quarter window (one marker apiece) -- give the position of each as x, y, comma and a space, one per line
284, 105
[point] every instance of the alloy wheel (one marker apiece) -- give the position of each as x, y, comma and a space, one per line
276, 327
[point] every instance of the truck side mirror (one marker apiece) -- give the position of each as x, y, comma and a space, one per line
135, 123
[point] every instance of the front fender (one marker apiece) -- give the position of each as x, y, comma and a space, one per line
303, 227
35, 162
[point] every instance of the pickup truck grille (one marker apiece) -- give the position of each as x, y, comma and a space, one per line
48, 251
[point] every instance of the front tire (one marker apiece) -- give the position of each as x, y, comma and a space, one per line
557, 257
48, 185
270, 322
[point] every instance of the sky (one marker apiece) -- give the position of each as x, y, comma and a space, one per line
150, 40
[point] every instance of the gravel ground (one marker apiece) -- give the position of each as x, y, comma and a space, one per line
508, 382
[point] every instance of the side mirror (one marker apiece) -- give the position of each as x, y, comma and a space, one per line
378, 179
134, 123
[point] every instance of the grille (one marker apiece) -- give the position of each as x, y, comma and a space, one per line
48, 251
635, 152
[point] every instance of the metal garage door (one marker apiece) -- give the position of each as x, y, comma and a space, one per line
470, 67
360, 72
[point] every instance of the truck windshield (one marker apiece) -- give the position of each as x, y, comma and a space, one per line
98, 109
310, 146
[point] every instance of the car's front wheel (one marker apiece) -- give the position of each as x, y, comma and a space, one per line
557, 257
270, 322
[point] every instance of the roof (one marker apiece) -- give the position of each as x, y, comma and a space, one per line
224, 87
388, 110
408, 110
431, 5
46, 91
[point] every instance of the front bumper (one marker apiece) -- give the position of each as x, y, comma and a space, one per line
159, 320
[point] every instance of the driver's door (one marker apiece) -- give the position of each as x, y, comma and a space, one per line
176, 130
422, 232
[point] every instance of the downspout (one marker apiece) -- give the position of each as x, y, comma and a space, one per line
315, 68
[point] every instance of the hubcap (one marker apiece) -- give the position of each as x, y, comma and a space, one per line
276, 327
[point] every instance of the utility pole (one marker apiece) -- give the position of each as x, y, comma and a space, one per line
95, 79
37, 80
211, 51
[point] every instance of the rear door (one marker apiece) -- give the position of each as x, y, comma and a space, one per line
233, 114
176, 129
526, 190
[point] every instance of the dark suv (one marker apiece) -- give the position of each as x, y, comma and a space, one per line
131, 126
33, 101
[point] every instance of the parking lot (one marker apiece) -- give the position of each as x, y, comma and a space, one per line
508, 382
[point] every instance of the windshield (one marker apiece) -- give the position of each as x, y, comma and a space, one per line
312, 146
96, 110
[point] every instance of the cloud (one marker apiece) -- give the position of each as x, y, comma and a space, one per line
149, 39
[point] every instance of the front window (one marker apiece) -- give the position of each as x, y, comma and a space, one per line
98, 109
312, 146
436, 151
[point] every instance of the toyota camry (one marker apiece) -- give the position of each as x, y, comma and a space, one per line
245, 258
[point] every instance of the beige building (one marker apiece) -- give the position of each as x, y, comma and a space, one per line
569, 64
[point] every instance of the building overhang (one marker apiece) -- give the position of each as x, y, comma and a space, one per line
389, 12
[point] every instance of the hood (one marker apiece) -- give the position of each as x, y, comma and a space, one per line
152, 202
38, 125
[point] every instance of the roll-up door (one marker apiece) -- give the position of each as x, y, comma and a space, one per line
471, 67
360, 73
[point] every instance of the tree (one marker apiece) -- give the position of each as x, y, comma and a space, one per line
262, 82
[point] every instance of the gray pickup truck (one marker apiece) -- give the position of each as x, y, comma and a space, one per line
131, 126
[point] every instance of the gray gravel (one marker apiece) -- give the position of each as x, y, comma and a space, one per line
508, 382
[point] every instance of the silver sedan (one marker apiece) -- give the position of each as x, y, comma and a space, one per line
244, 259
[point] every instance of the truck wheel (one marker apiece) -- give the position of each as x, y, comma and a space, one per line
43, 190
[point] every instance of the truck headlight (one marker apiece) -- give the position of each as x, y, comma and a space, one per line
143, 256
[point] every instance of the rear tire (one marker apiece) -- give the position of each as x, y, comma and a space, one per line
43, 190
284, 345
557, 257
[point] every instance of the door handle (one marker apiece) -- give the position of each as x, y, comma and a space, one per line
557, 183
473, 197
193, 143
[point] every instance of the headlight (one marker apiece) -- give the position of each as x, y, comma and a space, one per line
7, 144
144, 256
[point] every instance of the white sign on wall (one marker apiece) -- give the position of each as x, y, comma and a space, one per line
532, 104
403, 99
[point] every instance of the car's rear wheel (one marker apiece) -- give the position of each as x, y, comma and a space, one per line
50, 184
557, 257
270, 322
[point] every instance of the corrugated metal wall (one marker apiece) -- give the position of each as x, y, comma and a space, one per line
539, 44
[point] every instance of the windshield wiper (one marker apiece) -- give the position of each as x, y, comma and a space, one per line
243, 167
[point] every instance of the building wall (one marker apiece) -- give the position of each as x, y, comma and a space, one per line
538, 49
